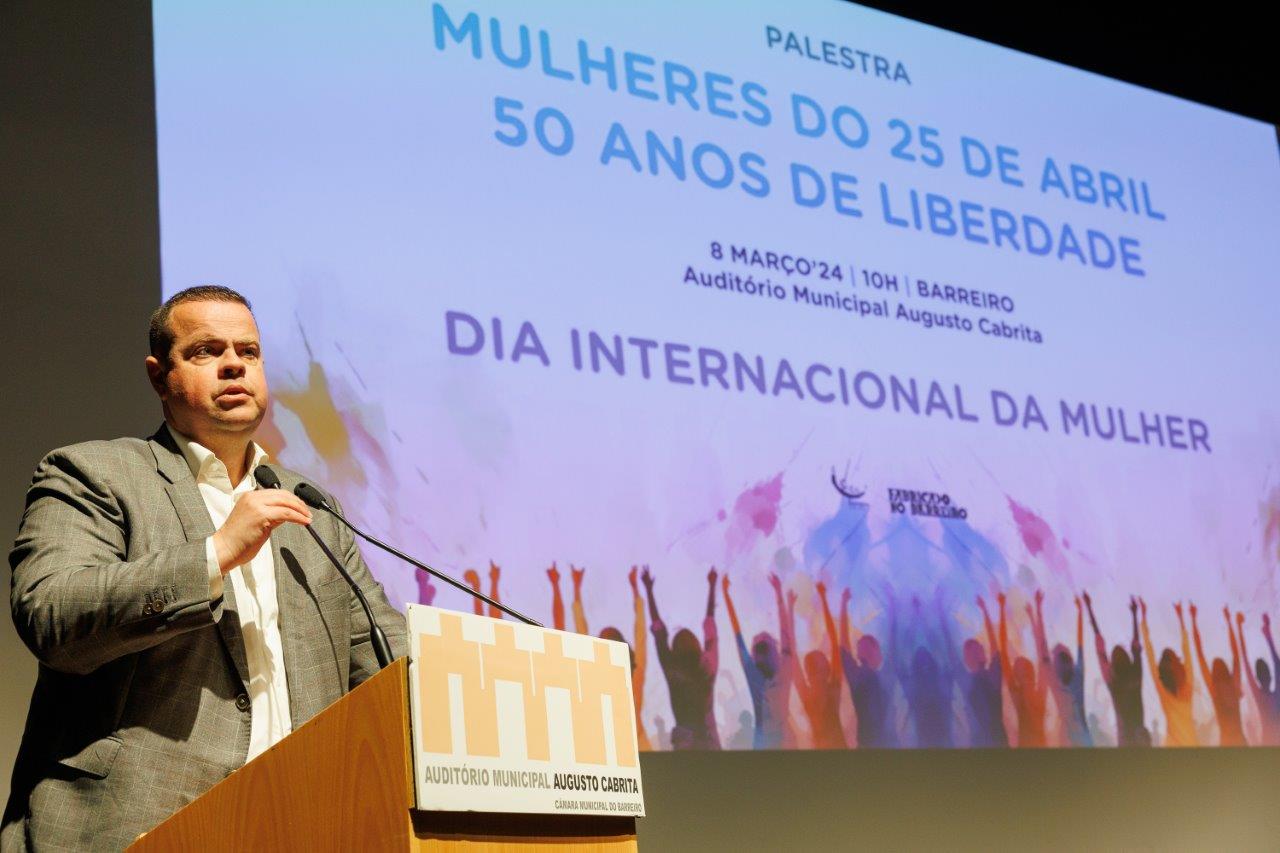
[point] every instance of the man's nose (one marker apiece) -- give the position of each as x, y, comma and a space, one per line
231, 365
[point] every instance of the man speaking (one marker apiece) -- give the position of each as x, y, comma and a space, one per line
183, 619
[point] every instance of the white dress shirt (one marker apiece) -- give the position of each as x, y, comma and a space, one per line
254, 586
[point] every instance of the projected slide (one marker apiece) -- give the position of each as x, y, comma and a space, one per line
880, 387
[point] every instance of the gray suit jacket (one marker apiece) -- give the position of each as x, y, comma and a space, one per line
140, 703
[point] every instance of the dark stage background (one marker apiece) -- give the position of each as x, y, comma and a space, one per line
79, 272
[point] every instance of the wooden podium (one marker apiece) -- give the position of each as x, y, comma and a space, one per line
344, 781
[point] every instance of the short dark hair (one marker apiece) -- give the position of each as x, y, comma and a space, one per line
161, 336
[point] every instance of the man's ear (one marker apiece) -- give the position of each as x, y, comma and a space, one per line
156, 373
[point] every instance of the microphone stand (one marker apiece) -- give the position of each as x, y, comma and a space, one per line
313, 497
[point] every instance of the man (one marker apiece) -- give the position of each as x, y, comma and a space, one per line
174, 642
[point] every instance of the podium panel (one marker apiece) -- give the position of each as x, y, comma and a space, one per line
341, 781
344, 781
520, 719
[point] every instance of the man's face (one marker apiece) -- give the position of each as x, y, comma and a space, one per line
214, 385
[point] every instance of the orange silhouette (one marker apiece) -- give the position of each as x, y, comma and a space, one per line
1224, 685
1026, 690
818, 683
1175, 683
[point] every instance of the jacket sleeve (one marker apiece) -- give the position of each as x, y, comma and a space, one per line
77, 602
364, 662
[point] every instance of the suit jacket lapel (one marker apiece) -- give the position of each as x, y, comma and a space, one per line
193, 515
291, 603
304, 638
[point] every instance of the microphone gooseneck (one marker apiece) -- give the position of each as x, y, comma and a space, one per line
315, 499
268, 479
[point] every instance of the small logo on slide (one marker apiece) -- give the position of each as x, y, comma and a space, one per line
924, 503
842, 486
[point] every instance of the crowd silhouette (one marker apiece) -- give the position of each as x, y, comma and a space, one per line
920, 686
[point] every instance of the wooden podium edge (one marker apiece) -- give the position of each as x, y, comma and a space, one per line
504, 830
333, 785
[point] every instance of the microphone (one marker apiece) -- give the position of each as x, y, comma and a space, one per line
268, 479
313, 497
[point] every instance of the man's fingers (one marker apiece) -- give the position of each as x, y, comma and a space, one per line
275, 506
281, 498
281, 515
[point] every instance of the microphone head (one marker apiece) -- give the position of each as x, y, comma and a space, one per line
311, 496
266, 478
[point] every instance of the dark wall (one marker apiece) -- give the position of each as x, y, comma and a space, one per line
1046, 799
79, 272
79, 257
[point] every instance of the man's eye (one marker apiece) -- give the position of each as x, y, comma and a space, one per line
250, 352
200, 351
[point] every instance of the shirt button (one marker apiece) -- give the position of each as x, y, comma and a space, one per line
242, 702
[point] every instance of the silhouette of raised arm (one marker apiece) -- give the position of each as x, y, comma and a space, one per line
1079, 635
1099, 644
641, 637
579, 614
557, 603
494, 573
1135, 645
1146, 641
1244, 653
656, 625
710, 637
1037, 628
472, 577
728, 603
845, 641
786, 623
1235, 647
990, 628
1271, 644
1006, 663
835, 670
1042, 646
1195, 632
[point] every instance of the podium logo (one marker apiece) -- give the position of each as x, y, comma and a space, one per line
479, 666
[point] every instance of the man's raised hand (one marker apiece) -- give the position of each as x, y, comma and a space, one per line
251, 521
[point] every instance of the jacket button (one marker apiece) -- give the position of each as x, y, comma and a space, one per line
242, 702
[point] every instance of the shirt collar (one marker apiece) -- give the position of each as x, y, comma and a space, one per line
205, 465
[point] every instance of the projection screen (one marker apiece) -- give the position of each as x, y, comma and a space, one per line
879, 386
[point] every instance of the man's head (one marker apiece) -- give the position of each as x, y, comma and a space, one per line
975, 656
686, 651
1024, 673
764, 652
206, 365
869, 654
1264, 674
1170, 671
1121, 663
817, 667
1064, 664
